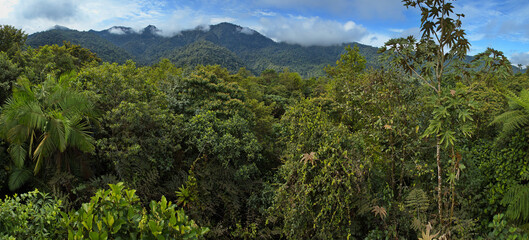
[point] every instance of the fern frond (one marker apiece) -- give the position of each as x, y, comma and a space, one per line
517, 202
521, 100
512, 120
417, 200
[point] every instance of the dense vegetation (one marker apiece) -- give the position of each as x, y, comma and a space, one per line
429, 146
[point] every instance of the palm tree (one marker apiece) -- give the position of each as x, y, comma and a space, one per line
42, 121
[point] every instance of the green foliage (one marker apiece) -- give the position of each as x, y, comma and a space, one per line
32, 215
267, 156
319, 198
205, 53
43, 121
452, 116
349, 64
102, 47
417, 202
116, 214
517, 117
499, 169
11, 39
9, 72
517, 201
142, 142
501, 230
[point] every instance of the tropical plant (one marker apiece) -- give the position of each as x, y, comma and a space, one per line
42, 122
502, 231
438, 50
322, 180
116, 213
518, 115
32, 215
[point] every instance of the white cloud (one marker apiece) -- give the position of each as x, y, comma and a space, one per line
311, 30
37, 15
507, 19
116, 30
246, 30
260, 13
367, 9
7, 7
374, 39
54, 10
520, 58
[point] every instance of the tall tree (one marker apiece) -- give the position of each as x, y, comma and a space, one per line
442, 43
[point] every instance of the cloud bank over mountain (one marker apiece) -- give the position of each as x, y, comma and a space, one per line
503, 24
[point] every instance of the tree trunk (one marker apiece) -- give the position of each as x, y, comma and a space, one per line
439, 180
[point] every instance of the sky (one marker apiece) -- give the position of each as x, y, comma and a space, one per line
499, 24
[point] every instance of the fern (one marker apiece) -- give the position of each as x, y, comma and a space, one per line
517, 202
418, 201
517, 117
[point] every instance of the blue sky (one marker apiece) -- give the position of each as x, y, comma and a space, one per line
501, 24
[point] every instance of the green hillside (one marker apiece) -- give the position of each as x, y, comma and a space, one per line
231, 46
105, 49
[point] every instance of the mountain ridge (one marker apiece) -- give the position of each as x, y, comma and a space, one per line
255, 51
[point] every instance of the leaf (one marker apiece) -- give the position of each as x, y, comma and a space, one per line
93, 235
18, 154
380, 211
17, 178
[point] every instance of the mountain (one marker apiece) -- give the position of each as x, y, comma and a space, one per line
226, 44
105, 49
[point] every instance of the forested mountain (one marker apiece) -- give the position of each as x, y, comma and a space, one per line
230, 46
103, 47
434, 145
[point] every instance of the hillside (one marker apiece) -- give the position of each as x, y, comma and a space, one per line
105, 49
226, 44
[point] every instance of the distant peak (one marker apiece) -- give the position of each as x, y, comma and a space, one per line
226, 25
151, 29
59, 27
233, 27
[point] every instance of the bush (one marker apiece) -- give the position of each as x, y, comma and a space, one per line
116, 213
32, 215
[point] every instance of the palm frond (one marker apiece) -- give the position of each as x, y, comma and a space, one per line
56, 130
17, 178
31, 115
80, 137
45, 149
18, 154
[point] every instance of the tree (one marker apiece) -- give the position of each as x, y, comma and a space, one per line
440, 47
323, 178
42, 122
9, 72
11, 39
